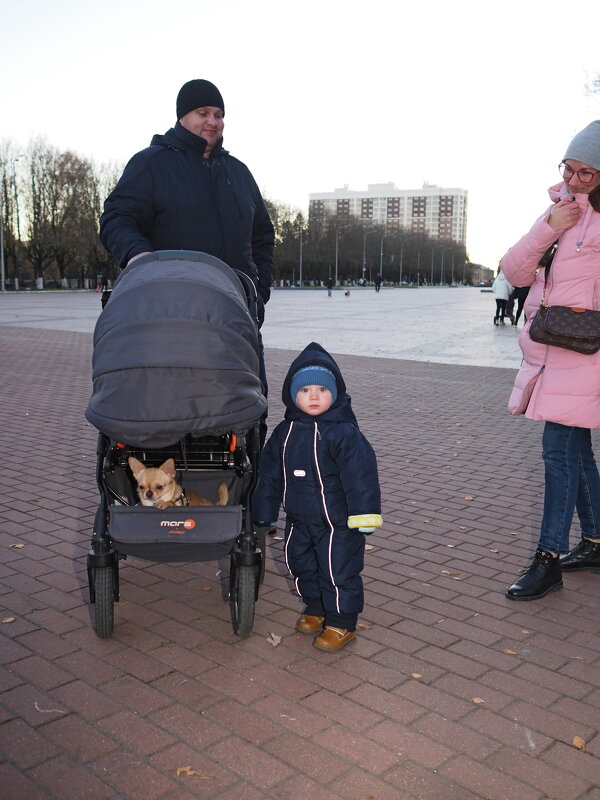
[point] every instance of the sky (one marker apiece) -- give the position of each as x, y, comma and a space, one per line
322, 93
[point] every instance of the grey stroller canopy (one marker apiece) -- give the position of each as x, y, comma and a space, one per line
175, 352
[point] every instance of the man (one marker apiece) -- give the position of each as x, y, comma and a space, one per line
185, 192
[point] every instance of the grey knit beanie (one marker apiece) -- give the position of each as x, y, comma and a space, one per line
585, 147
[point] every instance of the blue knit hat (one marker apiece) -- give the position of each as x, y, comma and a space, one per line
313, 376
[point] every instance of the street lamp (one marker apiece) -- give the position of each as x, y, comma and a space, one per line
2, 268
385, 236
300, 264
337, 250
364, 262
433, 249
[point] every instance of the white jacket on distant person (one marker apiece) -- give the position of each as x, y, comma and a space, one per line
501, 287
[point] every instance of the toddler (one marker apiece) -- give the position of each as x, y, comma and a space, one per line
322, 469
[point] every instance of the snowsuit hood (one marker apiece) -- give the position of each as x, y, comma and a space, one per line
340, 411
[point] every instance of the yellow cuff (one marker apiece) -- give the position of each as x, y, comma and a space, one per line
365, 521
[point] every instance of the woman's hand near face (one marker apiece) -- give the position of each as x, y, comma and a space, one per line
564, 215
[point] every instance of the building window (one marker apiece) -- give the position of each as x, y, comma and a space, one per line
393, 207
317, 209
446, 206
419, 206
343, 208
366, 209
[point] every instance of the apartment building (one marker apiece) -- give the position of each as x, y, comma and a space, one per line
439, 212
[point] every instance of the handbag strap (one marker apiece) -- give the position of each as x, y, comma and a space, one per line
546, 262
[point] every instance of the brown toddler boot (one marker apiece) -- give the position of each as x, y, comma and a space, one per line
334, 638
309, 624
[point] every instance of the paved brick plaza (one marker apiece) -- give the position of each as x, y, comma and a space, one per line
452, 692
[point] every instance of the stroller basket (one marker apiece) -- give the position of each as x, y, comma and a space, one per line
175, 534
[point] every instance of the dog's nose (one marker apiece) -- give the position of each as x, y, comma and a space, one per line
149, 493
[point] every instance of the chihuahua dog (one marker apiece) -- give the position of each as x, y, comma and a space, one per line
157, 487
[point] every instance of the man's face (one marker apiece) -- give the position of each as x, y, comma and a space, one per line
206, 122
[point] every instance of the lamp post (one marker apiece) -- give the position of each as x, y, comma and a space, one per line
400, 270
337, 250
385, 236
300, 264
2, 265
364, 261
433, 249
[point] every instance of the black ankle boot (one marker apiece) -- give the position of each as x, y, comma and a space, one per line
585, 556
543, 576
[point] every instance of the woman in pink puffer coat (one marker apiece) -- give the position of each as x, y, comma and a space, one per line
558, 386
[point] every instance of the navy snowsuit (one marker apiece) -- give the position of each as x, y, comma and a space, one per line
323, 471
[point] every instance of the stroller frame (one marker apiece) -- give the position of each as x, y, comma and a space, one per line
228, 456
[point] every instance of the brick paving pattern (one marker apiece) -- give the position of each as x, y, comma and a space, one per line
451, 692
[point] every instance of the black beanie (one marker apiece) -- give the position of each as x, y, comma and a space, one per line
197, 94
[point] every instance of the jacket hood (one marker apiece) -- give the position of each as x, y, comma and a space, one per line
179, 138
315, 355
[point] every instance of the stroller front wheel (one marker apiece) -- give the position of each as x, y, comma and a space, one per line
243, 598
105, 601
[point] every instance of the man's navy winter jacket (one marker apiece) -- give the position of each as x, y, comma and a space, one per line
321, 469
172, 198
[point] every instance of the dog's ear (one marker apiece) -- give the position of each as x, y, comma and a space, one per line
135, 466
169, 468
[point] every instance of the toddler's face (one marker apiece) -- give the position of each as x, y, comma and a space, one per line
314, 400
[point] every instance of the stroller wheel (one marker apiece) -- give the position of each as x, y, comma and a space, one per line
105, 601
243, 597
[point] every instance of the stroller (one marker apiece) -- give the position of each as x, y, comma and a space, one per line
176, 375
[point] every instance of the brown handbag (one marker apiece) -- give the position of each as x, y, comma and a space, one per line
575, 329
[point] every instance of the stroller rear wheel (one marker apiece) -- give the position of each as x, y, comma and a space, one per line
243, 597
104, 606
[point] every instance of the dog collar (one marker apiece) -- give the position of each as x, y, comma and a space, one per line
183, 498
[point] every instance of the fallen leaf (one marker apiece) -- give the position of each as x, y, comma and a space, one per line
477, 700
493, 550
509, 652
513, 533
579, 743
17, 546
450, 545
207, 588
190, 771
579, 658
273, 639
468, 497
525, 631
416, 675
370, 797
6, 620
368, 547
278, 538
364, 627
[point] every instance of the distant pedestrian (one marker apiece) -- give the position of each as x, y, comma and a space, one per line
377, 282
519, 294
323, 470
329, 285
501, 289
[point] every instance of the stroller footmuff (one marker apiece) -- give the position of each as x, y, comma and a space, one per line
176, 375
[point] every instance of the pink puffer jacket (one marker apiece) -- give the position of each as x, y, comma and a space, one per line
554, 384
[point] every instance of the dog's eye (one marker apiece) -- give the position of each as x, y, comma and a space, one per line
159, 486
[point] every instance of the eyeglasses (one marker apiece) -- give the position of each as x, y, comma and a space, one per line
584, 175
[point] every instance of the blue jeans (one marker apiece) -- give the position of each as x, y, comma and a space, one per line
571, 482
